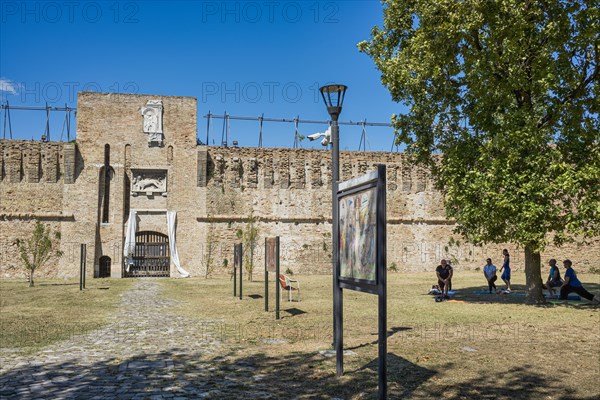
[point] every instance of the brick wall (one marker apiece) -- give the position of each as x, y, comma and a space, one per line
214, 190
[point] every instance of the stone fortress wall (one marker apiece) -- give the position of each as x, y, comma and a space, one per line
34, 177
214, 191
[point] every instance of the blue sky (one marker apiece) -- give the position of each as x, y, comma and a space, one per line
243, 57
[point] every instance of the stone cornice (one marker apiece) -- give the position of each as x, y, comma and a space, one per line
223, 218
59, 216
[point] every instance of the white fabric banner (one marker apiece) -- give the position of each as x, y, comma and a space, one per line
171, 221
129, 247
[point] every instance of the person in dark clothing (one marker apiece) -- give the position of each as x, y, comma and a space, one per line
554, 279
444, 275
449, 267
489, 271
572, 284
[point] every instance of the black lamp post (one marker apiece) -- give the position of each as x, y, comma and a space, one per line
333, 96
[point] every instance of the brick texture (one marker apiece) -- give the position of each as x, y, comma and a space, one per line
214, 190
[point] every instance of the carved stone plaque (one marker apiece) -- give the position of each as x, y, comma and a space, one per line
153, 124
149, 182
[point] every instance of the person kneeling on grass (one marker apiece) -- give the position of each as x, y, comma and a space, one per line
444, 275
489, 271
572, 284
554, 279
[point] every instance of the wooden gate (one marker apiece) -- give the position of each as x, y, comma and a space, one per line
151, 256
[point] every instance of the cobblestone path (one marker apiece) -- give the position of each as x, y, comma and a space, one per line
145, 352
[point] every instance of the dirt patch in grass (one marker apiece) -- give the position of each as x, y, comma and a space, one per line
480, 347
53, 310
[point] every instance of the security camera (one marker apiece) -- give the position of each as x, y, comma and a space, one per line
325, 141
314, 136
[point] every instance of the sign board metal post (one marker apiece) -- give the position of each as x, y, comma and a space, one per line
240, 255
360, 227
266, 276
382, 280
271, 262
237, 264
277, 284
82, 261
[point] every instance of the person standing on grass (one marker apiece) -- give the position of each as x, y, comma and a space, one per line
572, 284
449, 263
554, 279
506, 267
444, 275
489, 271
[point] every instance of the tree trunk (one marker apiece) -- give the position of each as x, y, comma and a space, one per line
31, 279
533, 277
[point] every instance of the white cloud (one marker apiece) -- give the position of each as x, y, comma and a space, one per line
9, 87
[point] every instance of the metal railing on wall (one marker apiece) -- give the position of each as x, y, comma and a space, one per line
71, 112
261, 119
45, 137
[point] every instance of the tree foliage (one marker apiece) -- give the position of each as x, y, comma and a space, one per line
37, 250
249, 237
502, 99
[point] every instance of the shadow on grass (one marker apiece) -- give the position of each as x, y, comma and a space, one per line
255, 296
58, 284
390, 333
521, 383
404, 377
294, 311
182, 373
479, 294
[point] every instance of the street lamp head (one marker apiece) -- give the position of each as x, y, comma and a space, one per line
333, 96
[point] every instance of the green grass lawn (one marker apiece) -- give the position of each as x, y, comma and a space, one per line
54, 310
480, 346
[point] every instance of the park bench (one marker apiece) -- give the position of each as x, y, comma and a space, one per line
289, 285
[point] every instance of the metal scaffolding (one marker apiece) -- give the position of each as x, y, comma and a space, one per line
225, 132
296, 121
45, 137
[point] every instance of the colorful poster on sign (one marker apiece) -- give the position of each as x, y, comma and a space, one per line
358, 222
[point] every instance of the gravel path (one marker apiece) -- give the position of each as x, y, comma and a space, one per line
145, 352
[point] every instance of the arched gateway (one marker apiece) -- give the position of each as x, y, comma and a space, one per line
151, 256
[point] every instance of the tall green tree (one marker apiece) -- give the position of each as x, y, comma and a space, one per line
502, 99
249, 237
37, 250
